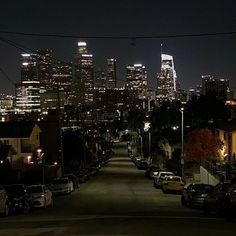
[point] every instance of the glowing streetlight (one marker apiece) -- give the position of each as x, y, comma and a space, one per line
41, 157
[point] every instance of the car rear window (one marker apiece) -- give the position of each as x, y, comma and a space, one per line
202, 187
35, 189
60, 181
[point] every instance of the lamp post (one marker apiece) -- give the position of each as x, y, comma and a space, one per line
182, 140
41, 156
83, 115
181, 110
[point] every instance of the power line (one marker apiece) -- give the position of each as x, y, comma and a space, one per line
26, 49
228, 33
6, 76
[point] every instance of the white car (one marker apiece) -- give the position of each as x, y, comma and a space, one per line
4, 203
158, 179
62, 186
42, 196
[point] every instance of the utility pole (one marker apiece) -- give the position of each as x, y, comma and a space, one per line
60, 131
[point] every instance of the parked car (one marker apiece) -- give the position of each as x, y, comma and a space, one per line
42, 195
218, 201
142, 165
173, 184
62, 186
82, 176
74, 180
4, 202
194, 194
158, 179
20, 199
152, 171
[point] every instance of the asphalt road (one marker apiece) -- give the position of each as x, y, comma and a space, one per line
119, 201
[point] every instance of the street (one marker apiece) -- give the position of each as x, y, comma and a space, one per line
118, 201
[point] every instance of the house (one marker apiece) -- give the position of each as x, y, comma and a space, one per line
23, 138
226, 132
7, 153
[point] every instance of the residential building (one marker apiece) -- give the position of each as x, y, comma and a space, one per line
22, 137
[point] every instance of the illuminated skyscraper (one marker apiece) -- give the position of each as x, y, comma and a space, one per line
27, 92
137, 79
111, 73
166, 79
44, 66
29, 71
100, 79
83, 79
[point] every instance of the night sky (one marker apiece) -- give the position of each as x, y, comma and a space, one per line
193, 56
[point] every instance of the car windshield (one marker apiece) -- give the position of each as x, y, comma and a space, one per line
163, 175
202, 187
171, 178
36, 189
60, 181
15, 189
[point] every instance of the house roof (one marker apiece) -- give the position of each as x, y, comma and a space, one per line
228, 126
16, 129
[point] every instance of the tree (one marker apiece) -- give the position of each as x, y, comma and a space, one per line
136, 119
204, 109
201, 145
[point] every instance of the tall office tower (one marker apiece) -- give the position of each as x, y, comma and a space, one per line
83, 78
29, 70
100, 79
220, 87
111, 73
44, 66
137, 80
60, 94
166, 79
62, 75
27, 92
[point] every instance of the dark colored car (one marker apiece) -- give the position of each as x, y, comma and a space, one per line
20, 199
152, 171
74, 180
194, 194
218, 201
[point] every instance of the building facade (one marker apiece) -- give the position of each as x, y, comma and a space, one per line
28, 91
136, 76
220, 87
111, 73
166, 79
83, 77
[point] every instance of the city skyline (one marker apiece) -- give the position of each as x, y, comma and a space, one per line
193, 56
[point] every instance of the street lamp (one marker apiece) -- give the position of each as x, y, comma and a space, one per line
182, 139
40, 156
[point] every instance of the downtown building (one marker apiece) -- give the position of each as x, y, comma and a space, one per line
58, 94
111, 74
83, 77
28, 91
136, 76
219, 87
166, 80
